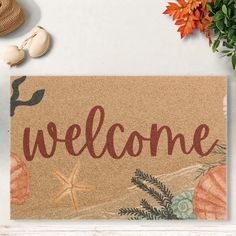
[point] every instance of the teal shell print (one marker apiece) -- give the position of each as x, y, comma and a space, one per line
182, 205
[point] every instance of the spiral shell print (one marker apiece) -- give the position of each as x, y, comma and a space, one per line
19, 181
182, 205
210, 195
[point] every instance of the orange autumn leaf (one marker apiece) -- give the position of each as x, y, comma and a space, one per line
190, 15
187, 26
181, 8
204, 20
194, 4
173, 10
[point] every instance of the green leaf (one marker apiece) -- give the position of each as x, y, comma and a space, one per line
234, 61
224, 9
213, 26
220, 25
217, 3
215, 45
232, 35
228, 45
229, 54
218, 16
226, 22
209, 7
230, 2
225, 51
234, 18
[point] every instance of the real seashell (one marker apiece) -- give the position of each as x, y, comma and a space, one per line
182, 205
209, 200
19, 181
39, 44
11, 16
13, 55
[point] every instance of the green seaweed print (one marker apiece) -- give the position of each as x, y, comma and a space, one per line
158, 191
34, 100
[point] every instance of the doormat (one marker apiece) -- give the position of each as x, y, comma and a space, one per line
137, 148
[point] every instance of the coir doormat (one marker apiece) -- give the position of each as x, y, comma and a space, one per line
118, 148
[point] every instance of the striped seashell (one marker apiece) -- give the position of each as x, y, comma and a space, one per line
19, 181
11, 16
210, 195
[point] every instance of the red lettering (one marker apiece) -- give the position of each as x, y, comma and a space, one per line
133, 146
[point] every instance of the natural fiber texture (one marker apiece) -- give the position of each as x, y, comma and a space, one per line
11, 16
67, 182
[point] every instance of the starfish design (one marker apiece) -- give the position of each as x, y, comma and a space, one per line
70, 187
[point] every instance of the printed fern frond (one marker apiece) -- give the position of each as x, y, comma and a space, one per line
220, 149
135, 218
160, 193
151, 191
135, 212
155, 213
208, 166
154, 181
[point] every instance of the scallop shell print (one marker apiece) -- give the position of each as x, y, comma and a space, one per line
210, 195
19, 181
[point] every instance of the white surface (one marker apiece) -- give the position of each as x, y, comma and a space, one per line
120, 230
111, 37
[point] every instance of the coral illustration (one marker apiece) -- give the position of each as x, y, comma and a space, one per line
20, 181
158, 191
210, 195
35, 99
70, 188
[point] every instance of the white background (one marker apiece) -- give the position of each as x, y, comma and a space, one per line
111, 37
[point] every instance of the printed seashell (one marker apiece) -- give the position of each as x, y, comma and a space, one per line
11, 16
225, 106
210, 198
13, 55
19, 181
182, 205
39, 43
